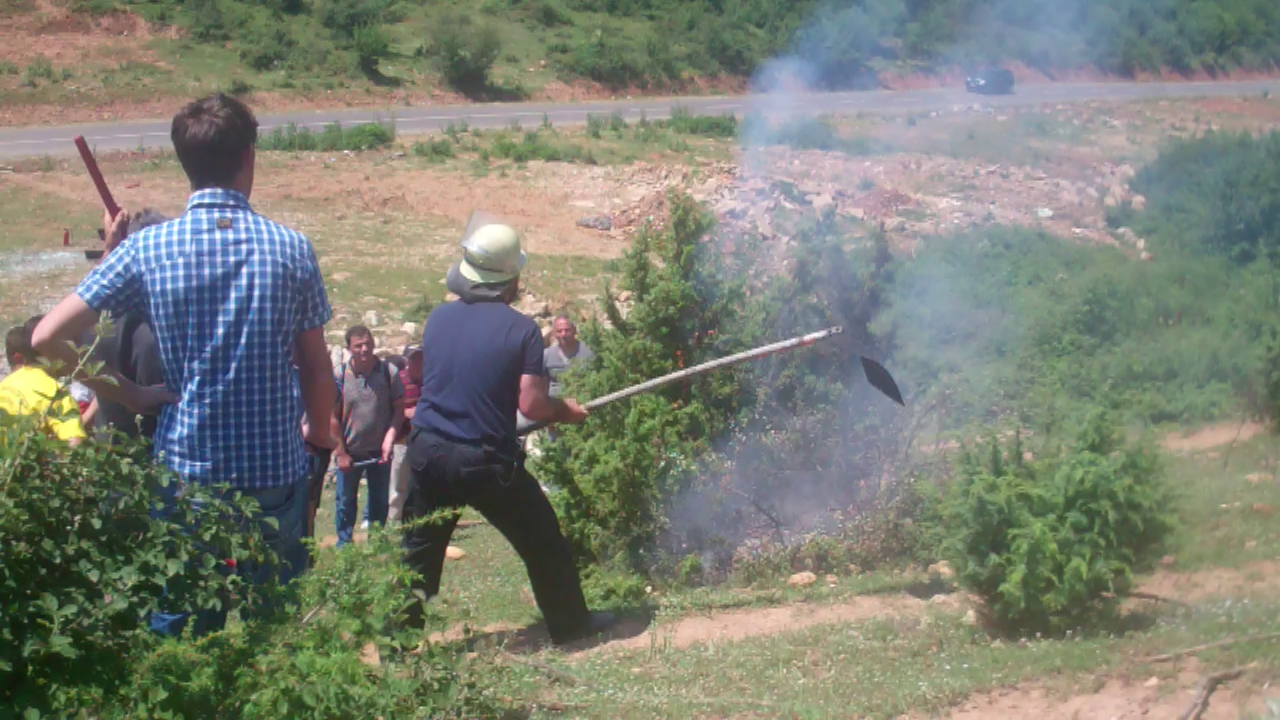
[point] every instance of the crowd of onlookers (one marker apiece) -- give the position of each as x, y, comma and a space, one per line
377, 396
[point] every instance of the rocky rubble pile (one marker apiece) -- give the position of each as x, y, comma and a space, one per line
910, 196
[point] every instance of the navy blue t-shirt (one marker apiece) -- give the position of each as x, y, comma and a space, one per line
472, 358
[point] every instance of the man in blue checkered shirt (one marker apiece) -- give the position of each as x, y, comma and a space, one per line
234, 299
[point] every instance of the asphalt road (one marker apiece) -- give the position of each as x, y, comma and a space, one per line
130, 135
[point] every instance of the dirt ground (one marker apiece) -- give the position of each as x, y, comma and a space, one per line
1213, 436
1120, 699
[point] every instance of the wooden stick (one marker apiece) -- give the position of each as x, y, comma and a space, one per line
95, 174
1210, 646
1207, 686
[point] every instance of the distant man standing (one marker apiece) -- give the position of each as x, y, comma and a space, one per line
566, 352
366, 419
482, 360
233, 299
411, 379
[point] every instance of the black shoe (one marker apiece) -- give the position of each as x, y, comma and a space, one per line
596, 623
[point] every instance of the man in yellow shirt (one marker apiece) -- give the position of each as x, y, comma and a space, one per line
29, 390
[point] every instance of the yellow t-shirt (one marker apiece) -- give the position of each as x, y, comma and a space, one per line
30, 390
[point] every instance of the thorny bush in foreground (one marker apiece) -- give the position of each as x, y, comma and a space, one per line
333, 654
1052, 544
83, 562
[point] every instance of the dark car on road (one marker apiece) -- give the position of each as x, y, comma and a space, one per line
991, 81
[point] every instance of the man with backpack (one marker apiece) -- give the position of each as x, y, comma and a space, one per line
366, 420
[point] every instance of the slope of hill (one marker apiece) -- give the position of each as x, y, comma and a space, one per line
111, 53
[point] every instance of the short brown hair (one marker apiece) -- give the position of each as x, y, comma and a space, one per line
211, 137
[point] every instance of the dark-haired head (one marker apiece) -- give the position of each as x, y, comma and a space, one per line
17, 343
145, 218
215, 139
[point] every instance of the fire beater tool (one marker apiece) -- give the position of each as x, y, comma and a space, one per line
877, 376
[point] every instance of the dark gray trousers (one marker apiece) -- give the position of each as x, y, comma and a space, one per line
449, 475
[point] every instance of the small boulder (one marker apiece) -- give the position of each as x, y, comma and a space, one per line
1255, 478
454, 553
600, 223
802, 579
1138, 202
832, 579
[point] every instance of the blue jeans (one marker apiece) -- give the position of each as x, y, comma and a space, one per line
348, 502
287, 504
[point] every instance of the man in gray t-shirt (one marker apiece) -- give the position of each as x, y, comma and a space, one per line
567, 351
370, 405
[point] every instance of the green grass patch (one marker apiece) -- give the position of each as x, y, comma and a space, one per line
334, 137
1228, 500
880, 669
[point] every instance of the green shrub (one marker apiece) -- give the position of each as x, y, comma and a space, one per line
265, 46
370, 44
39, 69
686, 123
213, 21
333, 138
608, 59
618, 475
1216, 194
533, 147
345, 17
464, 51
437, 150
8, 67
549, 13
1052, 544
85, 560
1014, 322
83, 564
310, 660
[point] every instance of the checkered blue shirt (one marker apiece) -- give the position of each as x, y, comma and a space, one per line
228, 291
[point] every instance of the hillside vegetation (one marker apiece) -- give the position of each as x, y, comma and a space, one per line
507, 49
